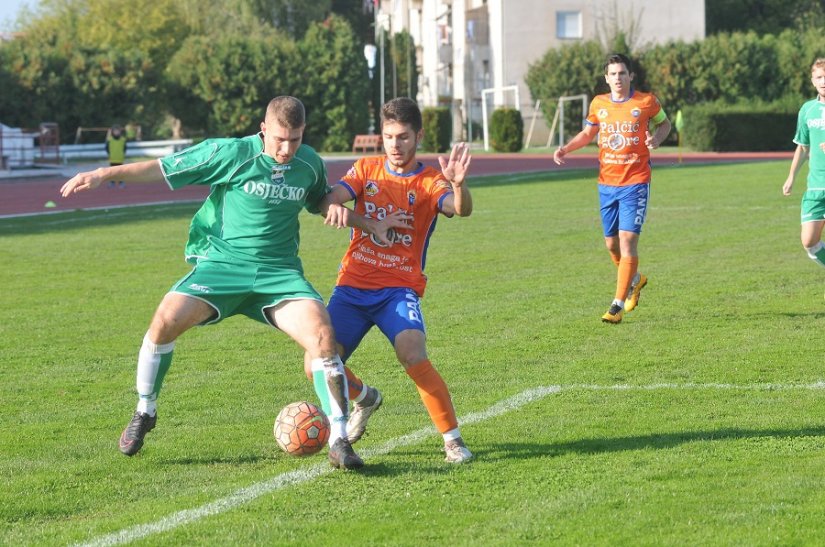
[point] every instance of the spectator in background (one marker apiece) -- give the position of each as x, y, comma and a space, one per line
116, 150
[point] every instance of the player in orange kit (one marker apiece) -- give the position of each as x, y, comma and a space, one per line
381, 279
623, 119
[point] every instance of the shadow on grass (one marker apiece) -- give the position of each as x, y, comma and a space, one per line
813, 315
212, 460
659, 441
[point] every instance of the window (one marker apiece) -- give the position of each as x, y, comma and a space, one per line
568, 24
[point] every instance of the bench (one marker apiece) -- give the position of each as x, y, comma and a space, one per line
367, 143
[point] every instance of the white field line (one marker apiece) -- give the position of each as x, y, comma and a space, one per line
250, 493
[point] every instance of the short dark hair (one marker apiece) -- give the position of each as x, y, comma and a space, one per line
287, 111
616, 58
402, 110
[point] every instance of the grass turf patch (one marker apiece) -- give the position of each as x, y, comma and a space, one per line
695, 421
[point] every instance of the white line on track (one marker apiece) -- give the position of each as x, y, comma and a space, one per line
104, 208
250, 493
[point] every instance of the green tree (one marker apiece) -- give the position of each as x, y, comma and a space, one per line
404, 75
570, 70
724, 67
74, 86
224, 85
359, 16
333, 84
796, 51
293, 17
763, 16
31, 74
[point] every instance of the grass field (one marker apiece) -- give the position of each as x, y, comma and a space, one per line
700, 420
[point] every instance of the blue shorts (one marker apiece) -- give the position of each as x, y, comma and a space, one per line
355, 311
623, 207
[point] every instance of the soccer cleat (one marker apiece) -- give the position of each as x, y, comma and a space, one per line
357, 423
635, 291
342, 456
613, 315
131, 440
457, 451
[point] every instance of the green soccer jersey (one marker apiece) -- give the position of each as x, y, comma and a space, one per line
810, 132
252, 211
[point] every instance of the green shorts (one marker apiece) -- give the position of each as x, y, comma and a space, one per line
813, 205
247, 289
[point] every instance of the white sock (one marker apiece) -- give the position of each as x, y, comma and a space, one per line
817, 253
364, 390
451, 435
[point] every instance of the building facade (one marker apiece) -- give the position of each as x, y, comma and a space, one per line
465, 47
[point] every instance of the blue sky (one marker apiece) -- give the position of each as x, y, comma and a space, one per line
9, 10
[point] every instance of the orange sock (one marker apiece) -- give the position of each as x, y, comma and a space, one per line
434, 394
627, 269
354, 383
615, 257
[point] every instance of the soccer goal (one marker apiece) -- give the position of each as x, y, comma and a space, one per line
500, 99
559, 117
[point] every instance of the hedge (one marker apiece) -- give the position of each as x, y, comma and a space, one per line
741, 128
437, 129
506, 130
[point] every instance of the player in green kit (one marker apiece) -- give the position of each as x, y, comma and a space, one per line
243, 243
810, 139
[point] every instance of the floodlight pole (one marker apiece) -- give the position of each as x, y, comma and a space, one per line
381, 39
369, 53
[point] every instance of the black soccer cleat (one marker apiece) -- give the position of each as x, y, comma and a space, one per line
131, 440
342, 456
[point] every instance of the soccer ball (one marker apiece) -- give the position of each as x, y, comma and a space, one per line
301, 429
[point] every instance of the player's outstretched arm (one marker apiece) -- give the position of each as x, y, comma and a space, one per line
143, 171
581, 139
455, 170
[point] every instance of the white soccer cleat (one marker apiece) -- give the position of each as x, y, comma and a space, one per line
360, 415
457, 451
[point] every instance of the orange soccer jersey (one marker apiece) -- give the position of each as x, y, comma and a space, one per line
623, 155
378, 191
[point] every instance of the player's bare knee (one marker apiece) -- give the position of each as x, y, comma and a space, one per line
166, 326
410, 357
325, 341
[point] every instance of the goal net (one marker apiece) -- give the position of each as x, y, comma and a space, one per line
566, 119
500, 96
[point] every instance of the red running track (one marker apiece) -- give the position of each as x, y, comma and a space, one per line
29, 196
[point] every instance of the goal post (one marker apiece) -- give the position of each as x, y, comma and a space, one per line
500, 100
558, 118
